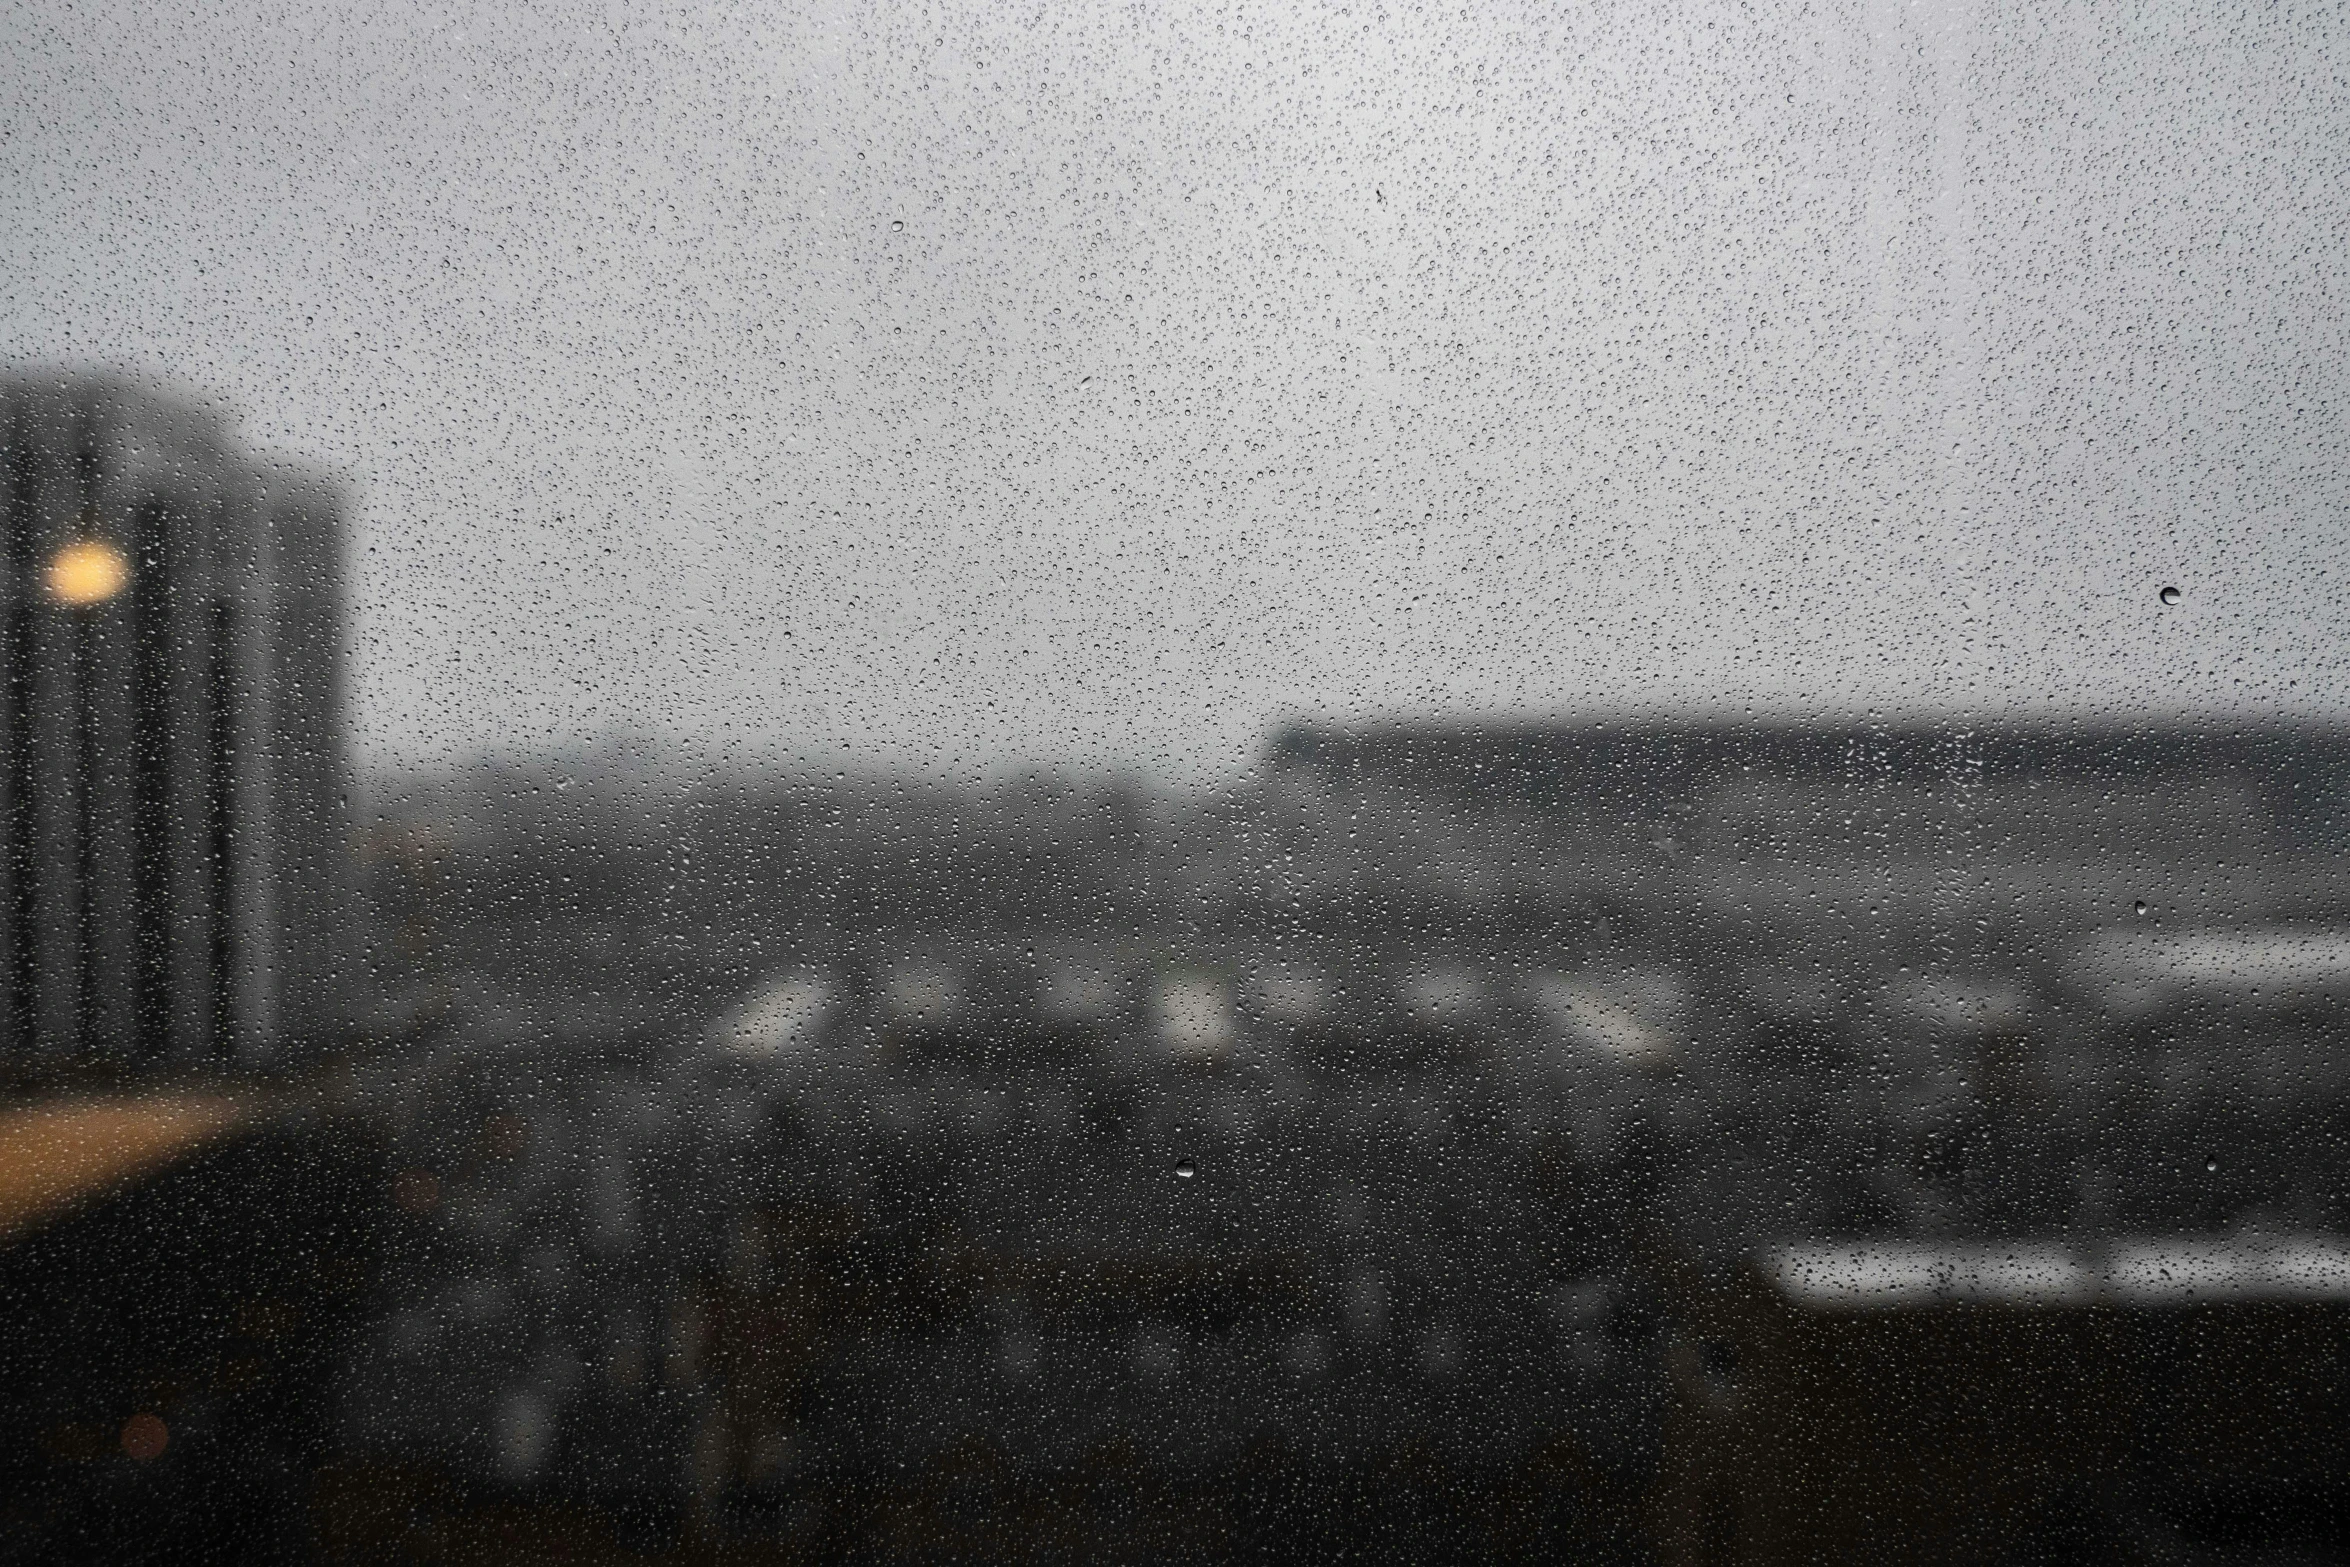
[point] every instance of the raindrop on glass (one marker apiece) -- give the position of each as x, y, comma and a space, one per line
2170, 595
897, 226
1185, 1169
2141, 906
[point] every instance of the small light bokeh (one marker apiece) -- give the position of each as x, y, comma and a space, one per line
144, 1437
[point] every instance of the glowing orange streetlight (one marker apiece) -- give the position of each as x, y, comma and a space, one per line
87, 572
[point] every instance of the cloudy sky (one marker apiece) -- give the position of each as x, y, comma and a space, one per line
955, 385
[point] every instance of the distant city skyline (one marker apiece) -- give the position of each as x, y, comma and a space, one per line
967, 388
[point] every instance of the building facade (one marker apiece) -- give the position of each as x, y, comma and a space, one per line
173, 849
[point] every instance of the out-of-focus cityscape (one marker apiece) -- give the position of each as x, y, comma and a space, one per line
1681, 1138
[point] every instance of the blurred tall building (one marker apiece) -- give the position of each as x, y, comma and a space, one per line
173, 849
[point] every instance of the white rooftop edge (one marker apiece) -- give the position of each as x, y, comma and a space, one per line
1890, 1275
2134, 974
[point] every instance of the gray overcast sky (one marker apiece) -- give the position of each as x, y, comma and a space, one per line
955, 384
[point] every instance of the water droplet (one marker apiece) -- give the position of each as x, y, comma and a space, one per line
1185, 1169
2211, 1166
2170, 595
897, 226
2141, 905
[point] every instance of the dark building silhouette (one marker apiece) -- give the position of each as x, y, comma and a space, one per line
2003, 1215
172, 843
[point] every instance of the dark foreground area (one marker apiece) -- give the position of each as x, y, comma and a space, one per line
197, 1374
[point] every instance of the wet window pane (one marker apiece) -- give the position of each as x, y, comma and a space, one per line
914, 783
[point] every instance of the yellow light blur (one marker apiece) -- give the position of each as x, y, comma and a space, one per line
87, 571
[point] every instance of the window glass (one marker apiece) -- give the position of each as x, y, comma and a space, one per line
943, 782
